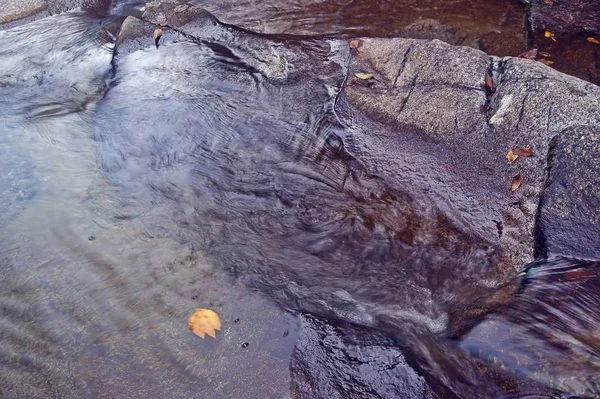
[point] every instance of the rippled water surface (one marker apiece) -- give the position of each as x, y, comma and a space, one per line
208, 173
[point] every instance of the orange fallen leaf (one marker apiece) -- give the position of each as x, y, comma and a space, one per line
354, 44
204, 321
511, 157
157, 34
592, 40
523, 152
516, 183
489, 83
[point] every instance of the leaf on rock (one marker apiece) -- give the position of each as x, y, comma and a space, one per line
516, 183
354, 44
545, 61
511, 157
489, 83
592, 40
523, 152
204, 321
157, 34
364, 76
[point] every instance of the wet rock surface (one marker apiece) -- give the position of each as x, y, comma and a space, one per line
379, 206
566, 16
330, 364
569, 213
530, 106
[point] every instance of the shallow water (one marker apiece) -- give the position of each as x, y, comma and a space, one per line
210, 173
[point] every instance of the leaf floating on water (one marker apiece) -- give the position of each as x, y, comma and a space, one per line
592, 40
205, 321
511, 157
354, 44
364, 76
545, 61
157, 34
516, 183
523, 152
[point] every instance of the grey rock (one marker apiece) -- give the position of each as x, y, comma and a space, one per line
433, 90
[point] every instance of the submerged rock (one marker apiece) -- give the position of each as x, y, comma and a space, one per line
566, 16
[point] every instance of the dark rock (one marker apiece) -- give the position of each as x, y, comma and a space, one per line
321, 368
94, 6
566, 16
569, 214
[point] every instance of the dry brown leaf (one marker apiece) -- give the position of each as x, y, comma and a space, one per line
489, 82
157, 34
511, 157
516, 183
354, 44
523, 152
592, 40
204, 321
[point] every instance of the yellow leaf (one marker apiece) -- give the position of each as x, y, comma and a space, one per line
511, 157
548, 34
205, 321
364, 76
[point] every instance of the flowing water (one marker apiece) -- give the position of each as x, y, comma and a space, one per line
210, 173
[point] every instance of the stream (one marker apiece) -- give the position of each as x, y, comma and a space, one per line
205, 173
